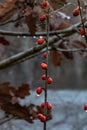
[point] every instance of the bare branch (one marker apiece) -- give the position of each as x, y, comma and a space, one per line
28, 53
6, 119
70, 49
65, 31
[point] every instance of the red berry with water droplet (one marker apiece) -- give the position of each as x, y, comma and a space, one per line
40, 41
76, 11
39, 90
82, 31
45, 3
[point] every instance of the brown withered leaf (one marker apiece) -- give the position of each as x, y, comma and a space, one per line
22, 112
4, 42
7, 89
22, 91
67, 54
10, 104
56, 58
31, 23
56, 4
33, 19
7, 10
78, 44
64, 25
16, 110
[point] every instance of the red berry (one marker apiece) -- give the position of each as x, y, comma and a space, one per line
45, 3
85, 107
43, 104
45, 54
49, 80
43, 77
43, 65
39, 90
49, 106
43, 118
39, 116
43, 18
40, 41
76, 11
82, 31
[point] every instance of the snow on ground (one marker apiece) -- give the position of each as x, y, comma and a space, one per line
68, 111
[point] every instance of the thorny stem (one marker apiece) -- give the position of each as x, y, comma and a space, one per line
81, 16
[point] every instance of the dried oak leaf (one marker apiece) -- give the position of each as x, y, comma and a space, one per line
7, 10
56, 58
67, 54
33, 19
5, 88
64, 25
31, 23
16, 110
21, 92
56, 4
9, 93
78, 44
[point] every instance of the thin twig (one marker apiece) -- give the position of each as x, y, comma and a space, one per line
81, 16
69, 50
6, 119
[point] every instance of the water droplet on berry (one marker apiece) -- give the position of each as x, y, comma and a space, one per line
83, 36
68, 17
38, 95
18, 36
24, 37
34, 37
41, 36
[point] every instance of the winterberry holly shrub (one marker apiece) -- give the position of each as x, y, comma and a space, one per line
44, 65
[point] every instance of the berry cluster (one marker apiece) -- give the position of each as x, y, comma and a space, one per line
44, 66
44, 5
75, 13
39, 90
